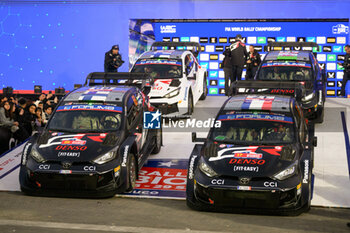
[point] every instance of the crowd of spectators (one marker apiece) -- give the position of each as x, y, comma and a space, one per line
20, 118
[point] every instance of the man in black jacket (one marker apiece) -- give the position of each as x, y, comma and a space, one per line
227, 66
253, 61
113, 59
239, 56
346, 65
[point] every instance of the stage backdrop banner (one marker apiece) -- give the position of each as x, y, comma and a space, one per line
214, 35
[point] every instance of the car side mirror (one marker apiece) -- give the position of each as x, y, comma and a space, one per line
195, 139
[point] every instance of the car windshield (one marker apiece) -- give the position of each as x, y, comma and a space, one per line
86, 118
159, 68
285, 71
258, 128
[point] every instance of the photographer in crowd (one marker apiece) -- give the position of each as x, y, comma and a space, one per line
253, 61
113, 59
346, 66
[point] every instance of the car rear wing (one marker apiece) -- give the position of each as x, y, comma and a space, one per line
194, 47
119, 78
295, 89
271, 46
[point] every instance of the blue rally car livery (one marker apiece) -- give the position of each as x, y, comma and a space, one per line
260, 158
299, 66
95, 143
291, 69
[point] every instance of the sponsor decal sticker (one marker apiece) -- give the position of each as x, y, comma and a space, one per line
247, 161
246, 169
191, 172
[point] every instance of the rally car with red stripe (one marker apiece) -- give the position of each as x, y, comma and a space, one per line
95, 142
179, 80
260, 157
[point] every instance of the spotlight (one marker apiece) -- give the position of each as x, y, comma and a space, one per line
76, 86
38, 89
60, 91
7, 91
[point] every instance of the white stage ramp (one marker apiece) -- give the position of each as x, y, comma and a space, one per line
331, 186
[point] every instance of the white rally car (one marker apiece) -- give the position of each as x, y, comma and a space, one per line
179, 80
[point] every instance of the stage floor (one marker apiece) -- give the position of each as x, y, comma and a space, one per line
331, 186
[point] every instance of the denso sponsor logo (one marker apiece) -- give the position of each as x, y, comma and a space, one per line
73, 142
71, 148
284, 91
245, 169
306, 172
247, 155
190, 172
247, 161
125, 156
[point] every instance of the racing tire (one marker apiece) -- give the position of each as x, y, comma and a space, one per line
190, 103
191, 200
205, 89
132, 173
319, 115
158, 141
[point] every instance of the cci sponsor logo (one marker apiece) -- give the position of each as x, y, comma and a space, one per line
151, 120
89, 168
340, 29
247, 161
44, 166
167, 28
270, 184
218, 181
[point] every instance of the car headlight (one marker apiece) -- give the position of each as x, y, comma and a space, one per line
106, 157
173, 93
308, 97
207, 170
286, 173
36, 156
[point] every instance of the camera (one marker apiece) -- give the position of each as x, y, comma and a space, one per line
118, 61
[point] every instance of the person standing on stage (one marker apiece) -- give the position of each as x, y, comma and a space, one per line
346, 66
113, 59
227, 66
239, 56
253, 61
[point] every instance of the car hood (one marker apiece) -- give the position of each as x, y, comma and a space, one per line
161, 87
248, 161
55, 146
